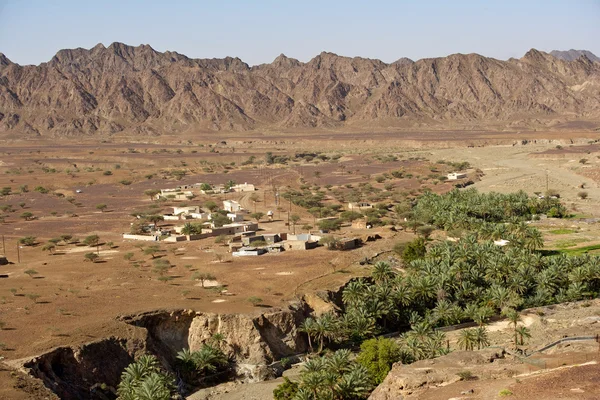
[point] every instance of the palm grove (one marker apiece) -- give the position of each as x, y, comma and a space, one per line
442, 283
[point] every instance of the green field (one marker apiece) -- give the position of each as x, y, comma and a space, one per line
562, 231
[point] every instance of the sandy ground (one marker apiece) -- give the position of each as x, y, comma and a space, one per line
78, 301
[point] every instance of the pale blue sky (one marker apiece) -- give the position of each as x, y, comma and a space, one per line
258, 30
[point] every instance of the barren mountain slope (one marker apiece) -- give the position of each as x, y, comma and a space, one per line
137, 89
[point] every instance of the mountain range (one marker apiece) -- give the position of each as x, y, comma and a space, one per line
121, 88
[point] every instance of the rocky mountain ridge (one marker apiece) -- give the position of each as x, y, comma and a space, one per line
120, 88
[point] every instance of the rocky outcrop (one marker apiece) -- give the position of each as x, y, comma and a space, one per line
251, 341
78, 372
404, 380
106, 90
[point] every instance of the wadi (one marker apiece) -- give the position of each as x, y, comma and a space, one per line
341, 228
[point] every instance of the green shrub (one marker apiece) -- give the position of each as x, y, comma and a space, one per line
378, 356
285, 391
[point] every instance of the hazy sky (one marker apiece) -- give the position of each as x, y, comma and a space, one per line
257, 31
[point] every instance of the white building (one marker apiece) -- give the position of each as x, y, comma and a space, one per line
186, 210
456, 175
243, 187
231, 206
234, 217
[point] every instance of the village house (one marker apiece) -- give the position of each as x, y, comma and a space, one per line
300, 245
456, 175
243, 187
235, 217
360, 206
275, 248
303, 241
271, 238
349, 244
186, 210
249, 240
249, 251
231, 206
207, 188
360, 223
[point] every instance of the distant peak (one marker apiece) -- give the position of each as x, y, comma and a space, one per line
535, 55
403, 61
572, 55
99, 46
284, 61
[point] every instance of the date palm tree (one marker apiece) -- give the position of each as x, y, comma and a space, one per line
466, 339
524, 333
382, 272
480, 336
353, 293
309, 326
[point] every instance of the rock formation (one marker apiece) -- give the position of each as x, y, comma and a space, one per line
252, 341
106, 90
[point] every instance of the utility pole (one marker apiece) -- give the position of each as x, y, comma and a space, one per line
3, 246
547, 182
289, 212
18, 253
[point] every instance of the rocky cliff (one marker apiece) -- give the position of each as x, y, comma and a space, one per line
106, 90
406, 380
252, 341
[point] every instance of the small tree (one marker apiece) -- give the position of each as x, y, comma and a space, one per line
412, 250
128, 256
255, 301
151, 193
91, 241
202, 277
91, 257
219, 220
31, 272
161, 266
27, 241
33, 297
425, 231
152, 250
211, 206
331, 242
27, 216
377, 356
329, 225
49, 247
101, 207
582, 195
165, 278
294, 218
221, 239
155, 218
257, 216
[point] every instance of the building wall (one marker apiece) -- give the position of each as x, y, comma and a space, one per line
139, 237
